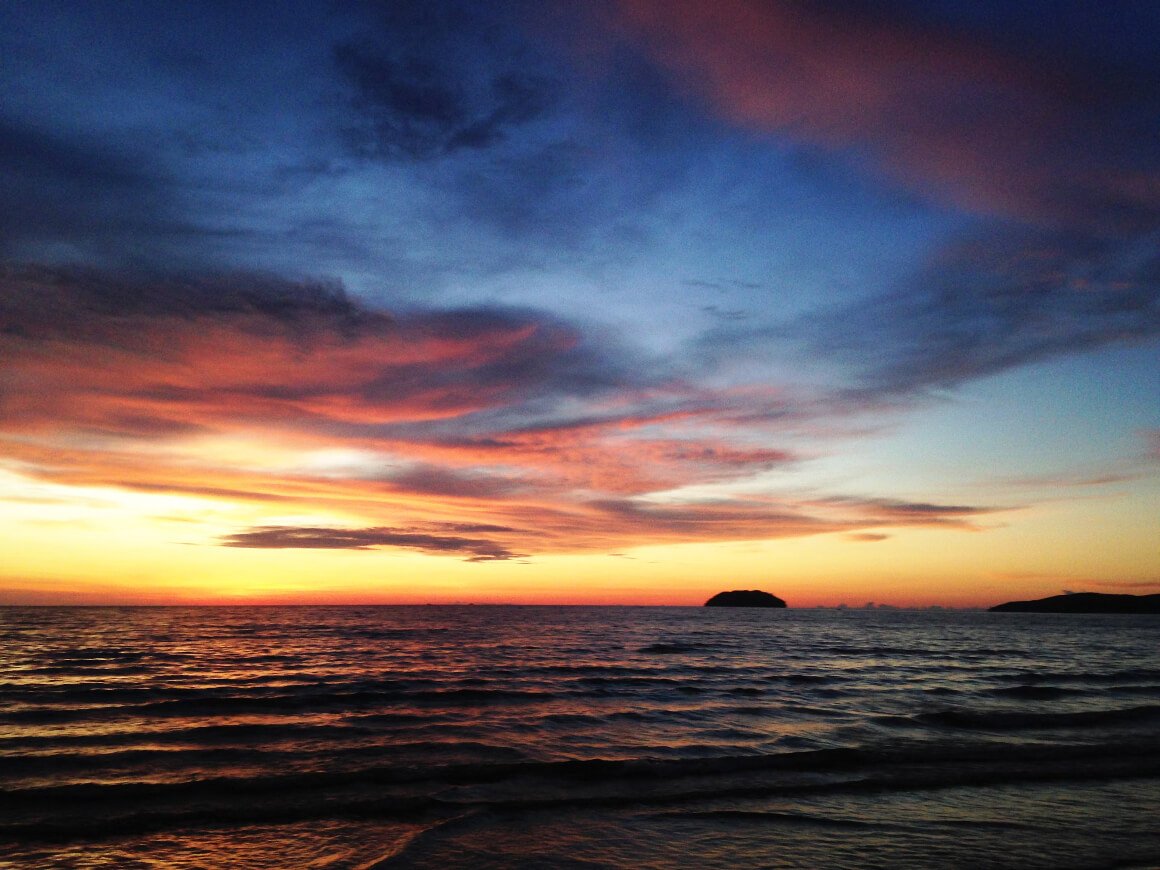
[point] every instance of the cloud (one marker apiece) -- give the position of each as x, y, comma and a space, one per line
510, 153
433, 479
999, 299
1057, 152
427, 81
179, 355
418, 108
947, 111
996, 302
1080, 479
487, 432
1126, 584
862, 511
867, 537
726, 313
55, 188
312, 537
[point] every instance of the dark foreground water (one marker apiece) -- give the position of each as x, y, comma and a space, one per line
576, 737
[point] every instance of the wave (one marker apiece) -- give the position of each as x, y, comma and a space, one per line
1011, 720
147, 720
419, 791
168, 766
234, 732
1035, 693
1126, 675
208, 704
668, 648
377, 633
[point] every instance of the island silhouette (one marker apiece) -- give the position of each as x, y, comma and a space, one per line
1084, 602
744, 598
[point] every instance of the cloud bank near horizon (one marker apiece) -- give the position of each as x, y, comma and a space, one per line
297, 395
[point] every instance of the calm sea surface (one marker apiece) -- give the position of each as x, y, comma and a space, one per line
576, 737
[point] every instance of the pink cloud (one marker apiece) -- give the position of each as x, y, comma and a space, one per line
941, 112
505, 421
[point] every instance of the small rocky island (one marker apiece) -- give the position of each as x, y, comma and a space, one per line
744, 598
1084, 602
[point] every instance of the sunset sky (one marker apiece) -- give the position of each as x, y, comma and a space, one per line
625, 301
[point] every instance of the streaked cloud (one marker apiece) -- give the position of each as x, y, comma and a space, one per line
950, 113
415, 107
996, 302
283, 537
509, 422
1057, 153
867, 537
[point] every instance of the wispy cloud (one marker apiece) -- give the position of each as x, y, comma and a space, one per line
419, 107
892, 512
867, 537
486, 432
1058, 155
1127, 584
319, 538
994, 303
946, 112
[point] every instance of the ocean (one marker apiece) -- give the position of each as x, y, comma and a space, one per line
576, 737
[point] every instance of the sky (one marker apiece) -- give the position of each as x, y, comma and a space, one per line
622, 301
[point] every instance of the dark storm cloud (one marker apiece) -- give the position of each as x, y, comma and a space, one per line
322, 538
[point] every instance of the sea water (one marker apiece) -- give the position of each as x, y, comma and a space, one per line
360, 737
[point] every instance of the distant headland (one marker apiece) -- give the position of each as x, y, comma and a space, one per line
744, 598
1084, 602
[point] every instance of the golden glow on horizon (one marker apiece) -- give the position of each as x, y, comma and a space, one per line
133, 547
258, 479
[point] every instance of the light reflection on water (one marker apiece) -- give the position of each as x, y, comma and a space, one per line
132, 728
